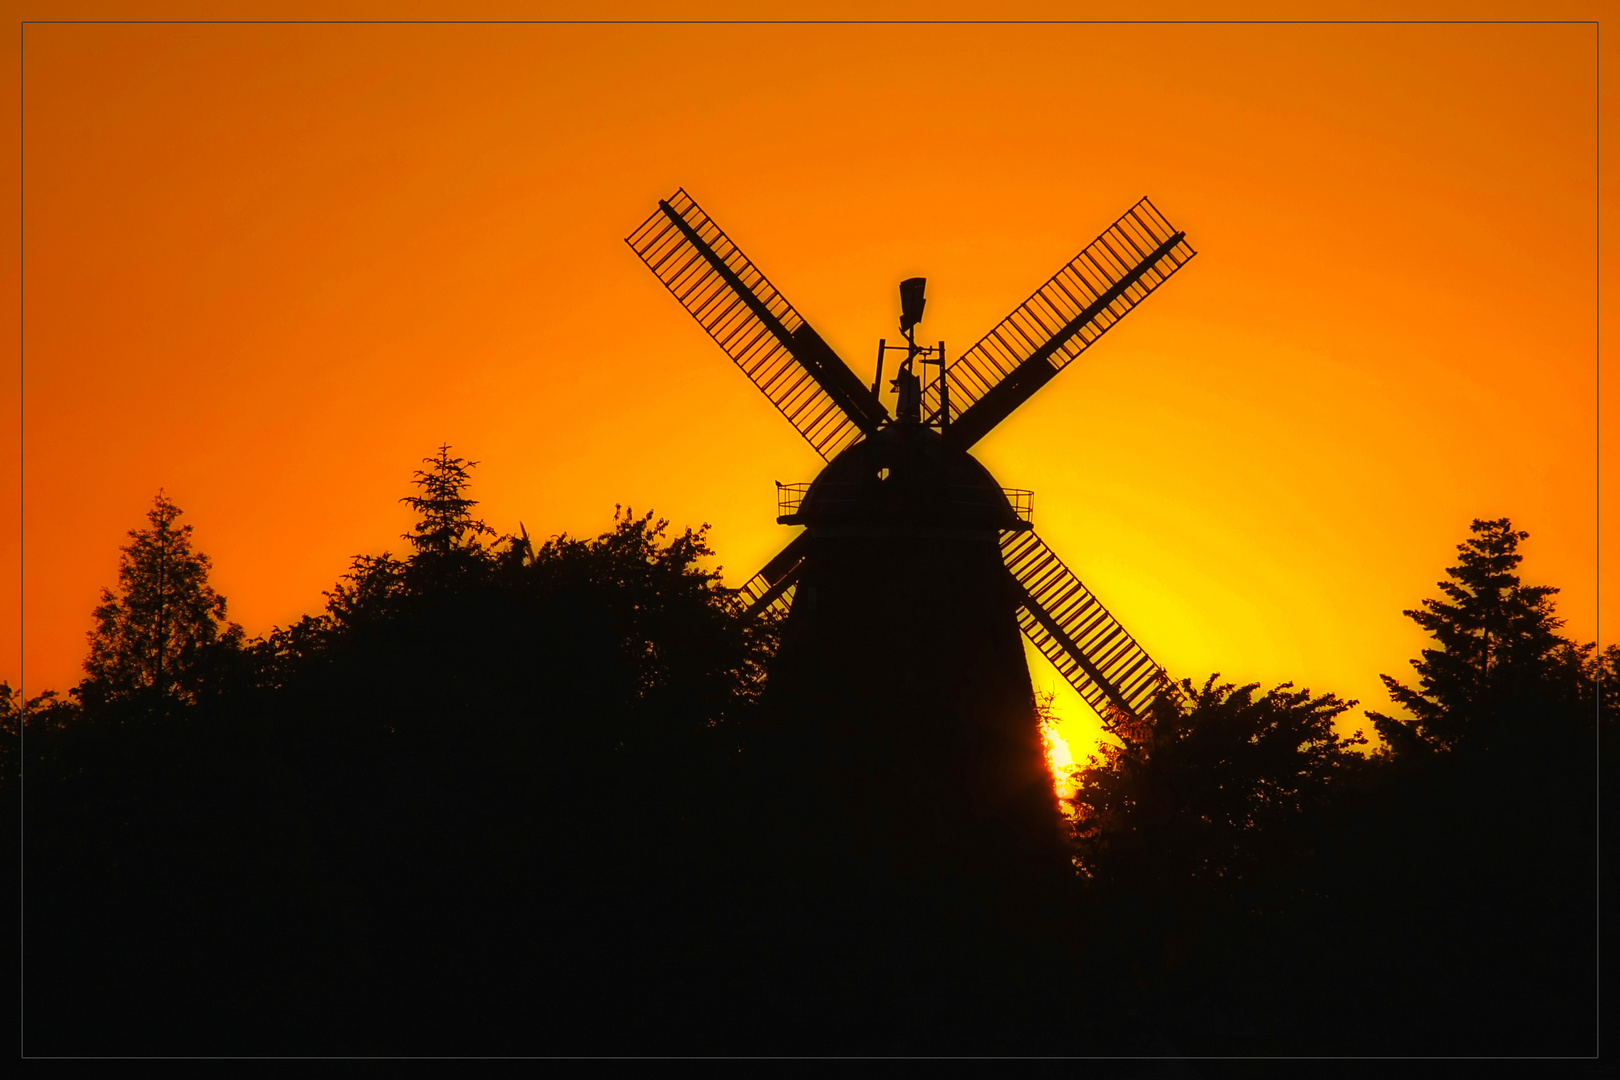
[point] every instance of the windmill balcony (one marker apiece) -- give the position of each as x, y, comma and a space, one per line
789, 497
1022, 501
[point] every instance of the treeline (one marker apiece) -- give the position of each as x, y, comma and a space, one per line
507, 797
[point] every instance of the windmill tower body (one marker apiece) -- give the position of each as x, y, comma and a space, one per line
900, 685
900, 697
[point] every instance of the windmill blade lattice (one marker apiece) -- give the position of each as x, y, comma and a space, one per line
770, 592
761, 332
1114, 273
1072, 629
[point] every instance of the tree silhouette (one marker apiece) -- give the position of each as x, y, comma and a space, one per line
447, 554
154, 636
1190, 835
446, 537
1496, 646
1467, 863
484, 772
694, 662
1203, 789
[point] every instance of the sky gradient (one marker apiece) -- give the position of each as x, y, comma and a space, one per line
268, 268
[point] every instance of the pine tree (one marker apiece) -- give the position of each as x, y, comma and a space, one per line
446, 537
447, 554
1496, 645
154, 634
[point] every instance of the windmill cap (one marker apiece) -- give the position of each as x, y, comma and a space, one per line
906, 477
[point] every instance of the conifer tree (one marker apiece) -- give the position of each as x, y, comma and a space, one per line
446, 536
1495, 643
152, 636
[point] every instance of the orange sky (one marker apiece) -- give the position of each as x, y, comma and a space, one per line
270, 267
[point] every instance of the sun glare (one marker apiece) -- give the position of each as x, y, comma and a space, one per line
1059, 758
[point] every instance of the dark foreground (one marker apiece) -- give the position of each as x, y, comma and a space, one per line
534, 802
417, 863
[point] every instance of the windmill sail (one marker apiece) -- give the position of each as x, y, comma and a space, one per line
1115, 272
771, 590
1072, 629
756, 327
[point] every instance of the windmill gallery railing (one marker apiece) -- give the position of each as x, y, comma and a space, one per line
789, 497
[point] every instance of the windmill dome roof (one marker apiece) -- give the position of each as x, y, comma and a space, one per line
906, 477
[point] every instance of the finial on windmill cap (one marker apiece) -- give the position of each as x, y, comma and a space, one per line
911, 302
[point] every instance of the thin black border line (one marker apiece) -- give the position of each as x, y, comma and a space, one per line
22, 578
1597, 516
1596, 26
810, 22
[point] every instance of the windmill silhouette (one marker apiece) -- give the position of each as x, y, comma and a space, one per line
905, 592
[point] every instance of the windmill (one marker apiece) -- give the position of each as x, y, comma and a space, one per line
905, 592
